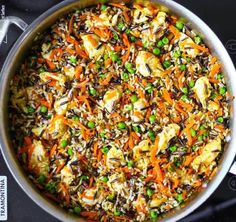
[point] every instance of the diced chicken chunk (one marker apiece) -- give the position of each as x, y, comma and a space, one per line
70, 72
89, 197
61, 106
166, 135
202, 89
38, 130
110, 98
117, 182
159, 21
39, 161
46, 76
91, 43
57, 128
141, 154
208, 155
115, 158
141, 16
156, 202
184, 42
148, 65
138, 113
213, 106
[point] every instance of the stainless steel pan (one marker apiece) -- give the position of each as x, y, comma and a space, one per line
17, 54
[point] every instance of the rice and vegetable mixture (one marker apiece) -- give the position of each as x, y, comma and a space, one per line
120, 112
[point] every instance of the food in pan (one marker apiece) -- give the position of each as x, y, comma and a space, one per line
120, 112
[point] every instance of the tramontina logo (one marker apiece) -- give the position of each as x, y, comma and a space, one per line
231, 46
3, 198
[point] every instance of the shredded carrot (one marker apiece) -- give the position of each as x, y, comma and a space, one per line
53, 150
65, 193
195, 46
95, 148
175, 31
158, 172
214, 70
50, 64
154, 150
167, 97
91, 181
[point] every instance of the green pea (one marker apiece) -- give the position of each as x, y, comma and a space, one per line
193, 132
75, 118
184, 98
105, 150
41, 178
63, 143
117, 212
173, 148
73, 59
197, 39
127, 31
220, 119
182, 67
149, 192
51, 187
77, 210
153, 214
200, 138
102, 135
121, 125
137, 129
165, 41
149, 88
114, 57
177, 54
167, 64
105, 57
30, 109
104, 179
222, 90
185, 90
202, 127
103, 7
93, 92
130, 107
130, 163
121, 26
152, 119
133, 38
41, 70
70, 151
145, 44
171, 168
43, 109
220, 76
125, 76
103, 76
115, 36
206, 134
179, 198
91, 124
134, 98
179, 25
111, 196
156, 51
83, 177
160, 43
191, 83
151, 134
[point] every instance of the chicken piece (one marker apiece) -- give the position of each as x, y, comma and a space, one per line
166, 135
89, 197
157, 201
60, 78
56, 128
115, 158
184, 41
18, 99
38, 160
148, 64
213, 106
117, 183
140, 204
202, 89
158, 21
138, 113
207, 156
38, 130
46, 52
91, 43
141, 16
70, 72
110, 98
61, 106
141, 154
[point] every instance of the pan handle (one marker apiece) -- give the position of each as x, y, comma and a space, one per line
7, 21
233, 168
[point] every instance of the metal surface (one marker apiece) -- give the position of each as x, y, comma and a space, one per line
19, 50
6, 22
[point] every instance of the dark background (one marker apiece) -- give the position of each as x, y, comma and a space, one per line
220, 16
